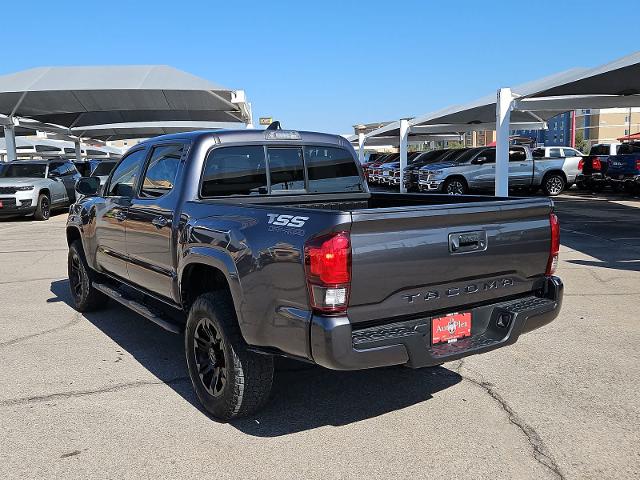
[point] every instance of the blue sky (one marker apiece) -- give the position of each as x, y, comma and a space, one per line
328, 65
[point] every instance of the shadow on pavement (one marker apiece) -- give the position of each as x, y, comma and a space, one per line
602, 228
303, 397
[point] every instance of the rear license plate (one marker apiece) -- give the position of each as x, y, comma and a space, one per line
450, 328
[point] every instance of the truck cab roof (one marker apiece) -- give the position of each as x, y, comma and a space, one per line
254, 135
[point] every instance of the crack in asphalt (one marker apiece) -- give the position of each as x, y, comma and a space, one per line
540, 452
77, 317
84, 393
9, 282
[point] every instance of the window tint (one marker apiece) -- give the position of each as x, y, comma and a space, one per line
103, 169
599, 150
517, 155
35, 170
627, 148
555, 153
125, 175
161, 170
570, 152
235, 171
489, 154
331, 170
56, 169
538, 153
286, 168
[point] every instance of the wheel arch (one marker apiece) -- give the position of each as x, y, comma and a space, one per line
205, 269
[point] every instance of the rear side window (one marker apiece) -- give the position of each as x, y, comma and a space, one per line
517, 155
235, 171
555, 153
538, 153
331, 170
161, 171
286, 168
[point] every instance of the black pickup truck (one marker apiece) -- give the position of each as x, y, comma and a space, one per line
258, 243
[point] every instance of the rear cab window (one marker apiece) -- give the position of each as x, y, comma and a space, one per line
262, 170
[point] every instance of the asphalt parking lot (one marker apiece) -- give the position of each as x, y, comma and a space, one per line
106, 395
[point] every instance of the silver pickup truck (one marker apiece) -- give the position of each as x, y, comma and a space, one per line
474, 169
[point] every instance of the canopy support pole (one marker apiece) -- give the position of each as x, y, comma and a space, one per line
504, 105
404, 143
10, 140
76, 143
361, 146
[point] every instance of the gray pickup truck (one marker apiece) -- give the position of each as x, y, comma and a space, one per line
260, 243
474, 169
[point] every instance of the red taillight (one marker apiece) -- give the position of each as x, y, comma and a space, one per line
328, 270
638, 164
596, 164
580, 164
552, 263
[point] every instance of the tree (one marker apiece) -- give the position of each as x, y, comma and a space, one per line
581, 143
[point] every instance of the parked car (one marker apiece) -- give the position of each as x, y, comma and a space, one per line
252, 245
474, 169
375, 170
102, 169
35, 187
572, 161
623, 169
425, 158
595, 165
368, 167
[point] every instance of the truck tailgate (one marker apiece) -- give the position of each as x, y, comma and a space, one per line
408, 261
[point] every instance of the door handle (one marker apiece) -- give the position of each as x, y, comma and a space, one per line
160, 222
120, 216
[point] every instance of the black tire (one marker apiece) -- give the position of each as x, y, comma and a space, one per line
616, 187
229, 380
43, 208
85, 297
581, 186
455, 186
597, 187
553, 184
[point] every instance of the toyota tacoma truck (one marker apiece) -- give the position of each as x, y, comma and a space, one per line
261, 243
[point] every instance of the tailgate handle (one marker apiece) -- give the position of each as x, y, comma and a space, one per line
464, 242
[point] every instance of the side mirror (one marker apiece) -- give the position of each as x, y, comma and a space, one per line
88, 186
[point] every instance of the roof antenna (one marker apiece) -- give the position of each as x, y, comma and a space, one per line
274, 126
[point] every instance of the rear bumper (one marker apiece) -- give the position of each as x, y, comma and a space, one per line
335, 345
594, 178
626, 179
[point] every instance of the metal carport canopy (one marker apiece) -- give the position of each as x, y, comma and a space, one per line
614, 84
83, 96
119, 131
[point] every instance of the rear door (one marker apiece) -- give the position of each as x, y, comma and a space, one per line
59, 194
150, 221
520, 167
112, 211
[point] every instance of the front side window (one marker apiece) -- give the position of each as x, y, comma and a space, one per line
331, 170
235, 171
103, 169
124, 177
161, 171
286, 167
538, 153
